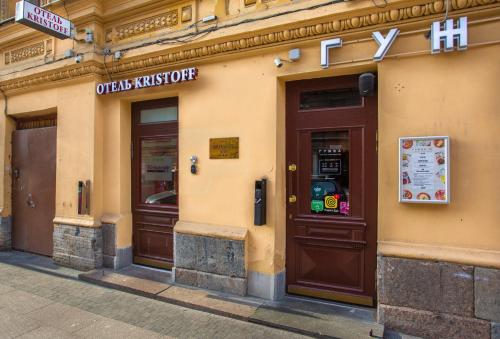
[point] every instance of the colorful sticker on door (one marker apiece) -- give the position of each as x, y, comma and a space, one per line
344, 207
317, 205
331, 201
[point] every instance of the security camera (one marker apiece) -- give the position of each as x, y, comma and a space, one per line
78, 58
118, 55
278, 62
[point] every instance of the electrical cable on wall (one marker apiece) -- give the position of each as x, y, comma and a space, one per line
67, 16
446, 3
5, 102
198, 34
106, 68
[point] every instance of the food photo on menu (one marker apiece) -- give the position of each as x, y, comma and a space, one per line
423, 170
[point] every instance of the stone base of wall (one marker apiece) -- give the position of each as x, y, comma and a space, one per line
5, 233
78, 247
438, 299
123, 257
112, 256
210, 281
270, 287
211, 257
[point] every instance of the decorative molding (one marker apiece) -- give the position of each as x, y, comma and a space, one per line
459, 255
148, 25
335, 26
186, 13
58, 75
3, 10
85, 222
331, 25
21, 54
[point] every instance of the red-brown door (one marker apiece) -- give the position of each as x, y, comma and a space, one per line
33, 189
154, 180
331, 190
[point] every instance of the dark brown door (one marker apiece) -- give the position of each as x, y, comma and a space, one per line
154, 181
33, 189
331, 190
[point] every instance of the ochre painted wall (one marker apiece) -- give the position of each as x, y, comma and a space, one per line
453, 94
79, 142
243, 95
222, 192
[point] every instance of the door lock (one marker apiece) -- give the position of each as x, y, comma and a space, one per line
30, 202
292, 198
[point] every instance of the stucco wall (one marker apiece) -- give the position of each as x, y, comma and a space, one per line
79, 144
234, 98
448, 94
242, 94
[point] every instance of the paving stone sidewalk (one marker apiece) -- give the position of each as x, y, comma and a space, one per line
38, 305
300, 315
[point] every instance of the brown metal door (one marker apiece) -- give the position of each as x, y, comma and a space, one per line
33, 189
154, 181
331, 190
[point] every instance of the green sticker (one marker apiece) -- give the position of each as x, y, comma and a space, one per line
317, 205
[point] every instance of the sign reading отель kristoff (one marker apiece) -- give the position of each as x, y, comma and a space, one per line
43, 20
158, 79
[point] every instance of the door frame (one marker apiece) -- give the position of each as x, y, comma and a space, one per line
339, 82
47, 123
163, 130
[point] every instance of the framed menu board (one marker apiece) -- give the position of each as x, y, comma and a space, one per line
424, 170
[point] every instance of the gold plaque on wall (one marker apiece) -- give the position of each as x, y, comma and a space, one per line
224, 148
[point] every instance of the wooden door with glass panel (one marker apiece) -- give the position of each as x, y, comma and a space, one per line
332, 190
154, 180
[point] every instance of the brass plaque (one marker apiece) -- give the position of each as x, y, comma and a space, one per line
225, 148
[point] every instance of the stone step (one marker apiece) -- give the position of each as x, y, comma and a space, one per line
124, 282
145, 282
299, 315
324, 318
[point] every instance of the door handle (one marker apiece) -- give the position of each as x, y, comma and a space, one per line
174, 179
30, 202
292, 198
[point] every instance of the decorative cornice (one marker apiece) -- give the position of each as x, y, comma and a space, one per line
148, 25
336, 26
40, 48
170, 18
330, 25
59, 75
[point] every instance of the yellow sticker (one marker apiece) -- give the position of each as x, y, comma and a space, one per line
330, 201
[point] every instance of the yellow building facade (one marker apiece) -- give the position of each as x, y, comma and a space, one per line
414, 262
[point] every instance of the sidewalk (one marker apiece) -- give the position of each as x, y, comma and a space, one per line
41, 305
305, 316
299, 315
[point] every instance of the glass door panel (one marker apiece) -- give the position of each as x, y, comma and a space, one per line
158, 171
329, 181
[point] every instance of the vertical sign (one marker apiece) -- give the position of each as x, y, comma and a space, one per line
424, 175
